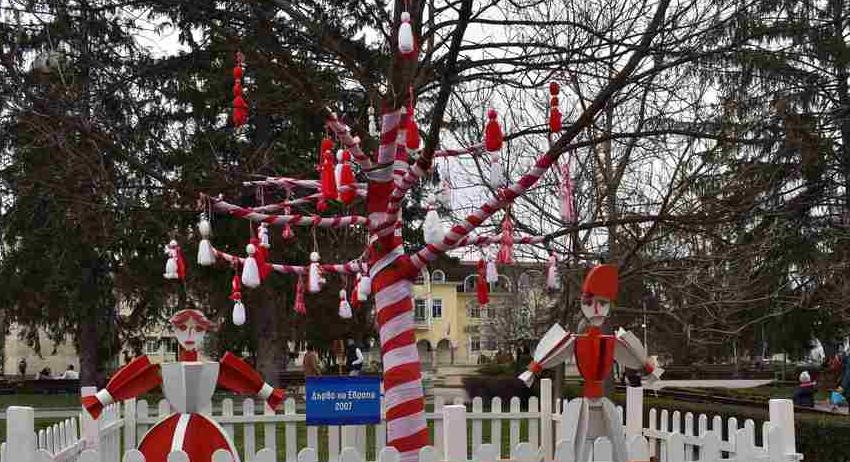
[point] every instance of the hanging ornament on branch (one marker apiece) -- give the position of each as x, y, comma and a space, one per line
406, 42
299, 306
327, 174
492, 271
555, 119
432, 227
506, 247
373, 125
412, 140
264, 236
287, 232
240, 107
344, 306
250, 269
345, 178
364, 289
236, 296
552, 280
493, 141
175, 266
314, 275
206, 256
482, 287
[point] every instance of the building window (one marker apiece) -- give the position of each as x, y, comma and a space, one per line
437, 308
490, 344
473, 310
151, 345
438, 277
474, 343
420, 279
420, 310
170, 345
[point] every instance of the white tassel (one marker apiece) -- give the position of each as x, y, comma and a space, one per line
264, 235
492, 272
206, 256
432, 228
373, 126
171, 263
405, 34
238, 313
552, 280
314, 277
497, 178
365, 286
445, 196
250, 270
344, 306
338, 170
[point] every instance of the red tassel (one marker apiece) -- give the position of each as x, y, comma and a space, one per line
482, 289
354, 301
181, 264
555, 119
413, 140
493, 138
506, 249
327, 145
236, 288
328, 182
240, 107
346, 178
299, 306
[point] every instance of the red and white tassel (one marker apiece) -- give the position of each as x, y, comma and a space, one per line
299, 306
555, 118
364, 289
206, 256
567, 211
250, 269
482, 288
314, 275
263, 233
492, 271
552, 282
240, 107
236, 296
171, 266
355, 292
493, 141
506, 247
373, 126
345, 178
432, 227
344, 306
406, 43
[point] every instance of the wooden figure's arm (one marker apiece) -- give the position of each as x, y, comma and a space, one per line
554, 348
136, 378
238, 376
630, 352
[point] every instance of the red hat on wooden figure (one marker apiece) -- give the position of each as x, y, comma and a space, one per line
601, 281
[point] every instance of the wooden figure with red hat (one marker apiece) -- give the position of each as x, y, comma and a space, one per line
188, 384
593, 415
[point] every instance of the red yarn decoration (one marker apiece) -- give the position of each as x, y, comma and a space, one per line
493, 138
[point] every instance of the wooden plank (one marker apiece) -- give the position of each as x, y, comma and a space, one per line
291, 432
227, 411
249, 442
477, 410
270, 433
496, 425
514, 424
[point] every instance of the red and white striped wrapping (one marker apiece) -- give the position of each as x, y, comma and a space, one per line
352, 267
294, 219
503, 198
352, 143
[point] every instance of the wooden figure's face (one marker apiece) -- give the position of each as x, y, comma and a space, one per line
190, 334
595, 308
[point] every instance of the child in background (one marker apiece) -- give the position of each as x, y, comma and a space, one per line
804, 395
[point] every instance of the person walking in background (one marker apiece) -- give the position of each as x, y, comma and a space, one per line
804, 395
311, 362
354, 358
22, 367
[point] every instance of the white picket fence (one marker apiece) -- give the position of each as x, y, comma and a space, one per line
499, 432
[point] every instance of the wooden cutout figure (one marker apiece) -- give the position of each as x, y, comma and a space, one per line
188, 385
593, 415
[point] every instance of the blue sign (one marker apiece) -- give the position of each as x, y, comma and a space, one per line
343, 400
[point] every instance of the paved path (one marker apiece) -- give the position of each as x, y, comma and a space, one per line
707, 384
